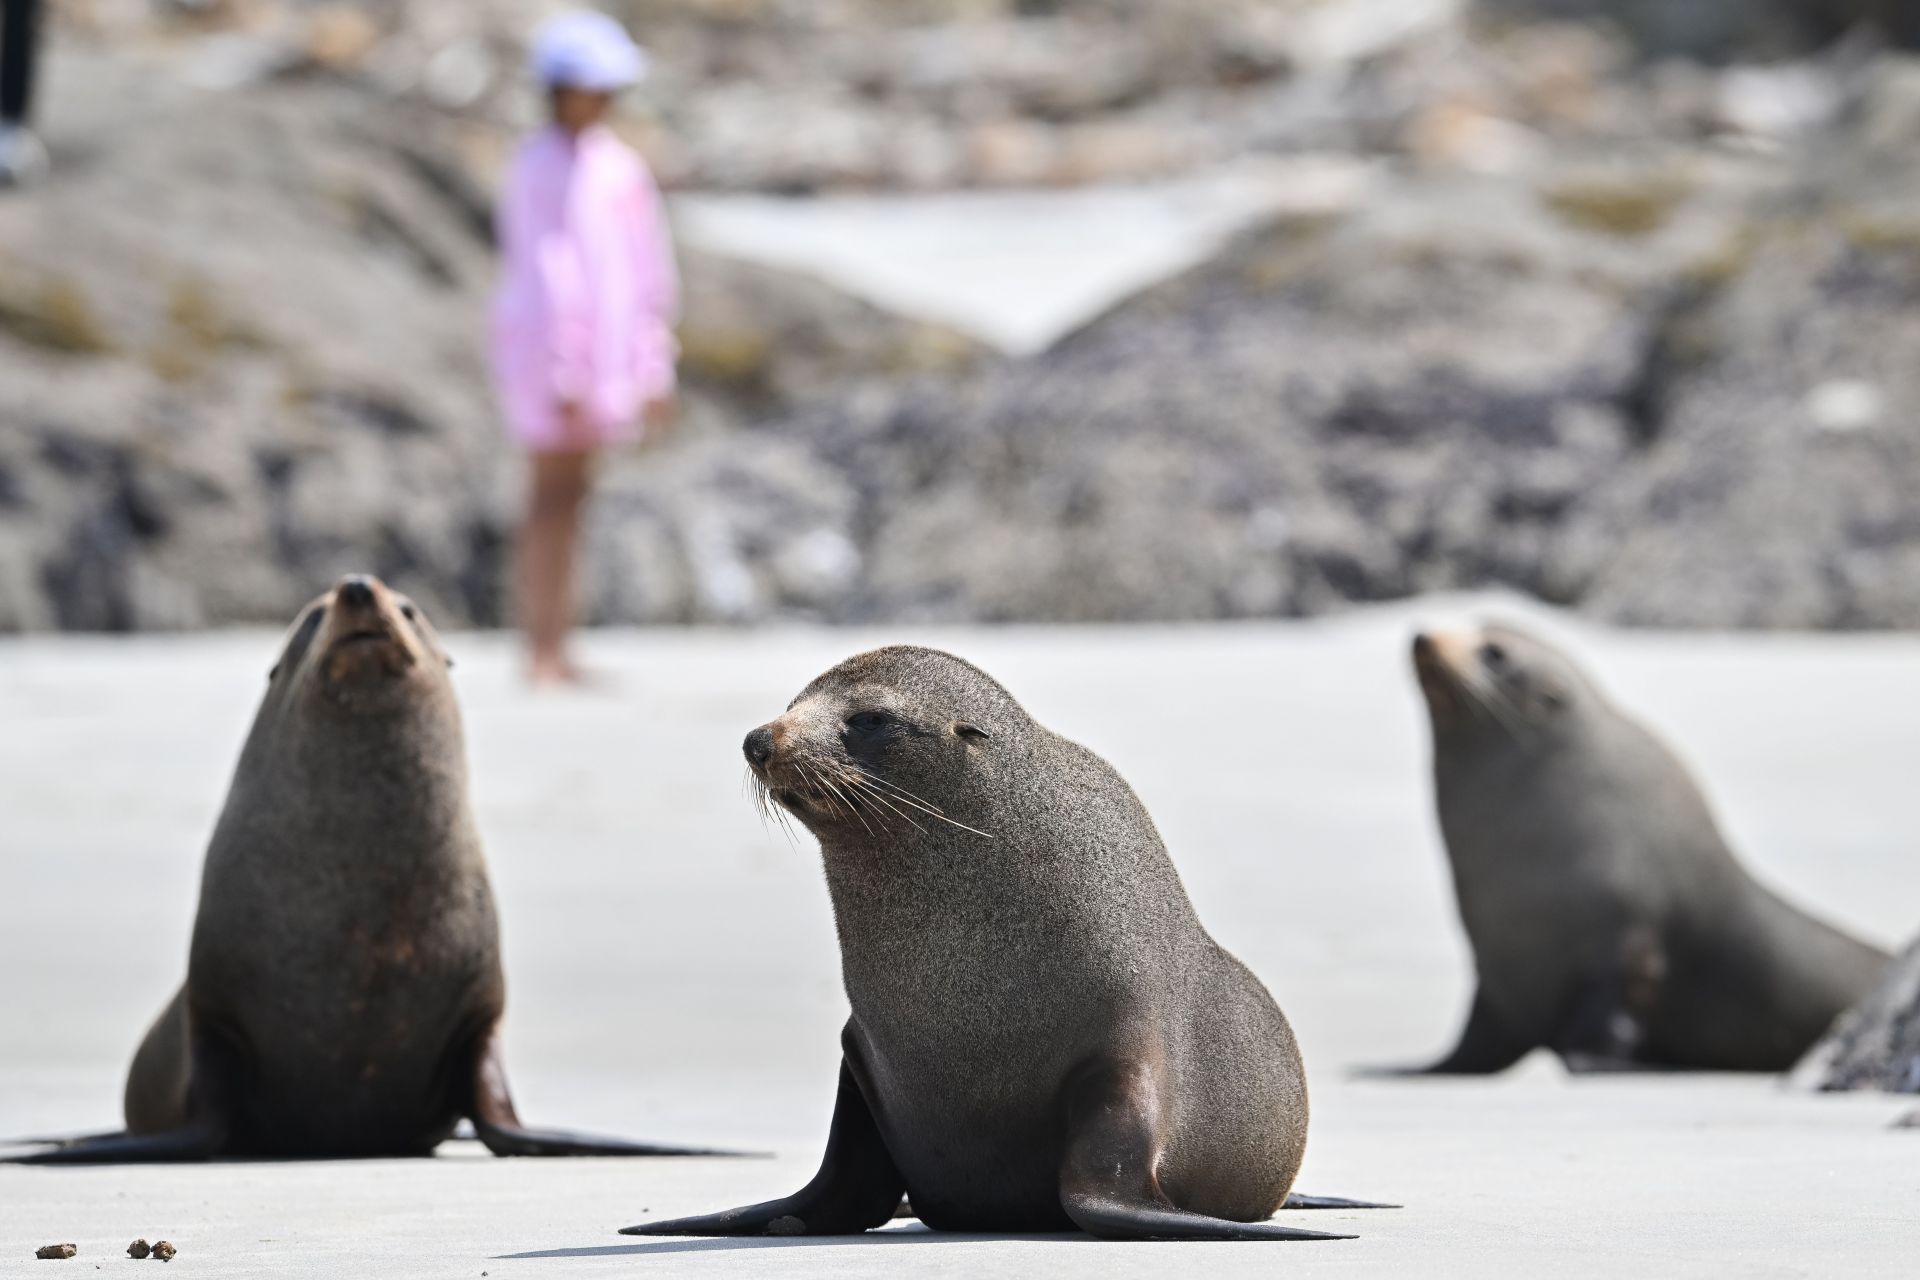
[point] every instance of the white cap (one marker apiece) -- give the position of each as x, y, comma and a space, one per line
587, 50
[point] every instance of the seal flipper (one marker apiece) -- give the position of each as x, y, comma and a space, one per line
857, 1188
63, 1140
198, 1132
1486, 1045
497, 1125
1108, 1185
198, 1142
1605, 1026
1298, 1200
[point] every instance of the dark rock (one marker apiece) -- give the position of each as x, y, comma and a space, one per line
1728, 28
1779, 491
1876, 1044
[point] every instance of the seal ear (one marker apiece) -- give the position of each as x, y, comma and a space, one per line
966, 730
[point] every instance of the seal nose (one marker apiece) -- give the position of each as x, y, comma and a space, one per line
759, 745
355, 591
1424, 649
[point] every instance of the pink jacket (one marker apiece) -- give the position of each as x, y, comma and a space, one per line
587, 295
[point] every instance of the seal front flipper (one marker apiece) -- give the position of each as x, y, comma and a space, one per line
1487, 1044
857, 1188
497, 1125
1109, 1185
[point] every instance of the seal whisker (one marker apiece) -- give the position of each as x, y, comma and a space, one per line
771, 814
857, 787
852, 806
901, 792
813, 781
913, 801
868, 789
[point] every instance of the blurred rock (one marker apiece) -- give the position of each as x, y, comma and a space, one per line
1322, 415
1632, 332
1875, 1045
1778, 489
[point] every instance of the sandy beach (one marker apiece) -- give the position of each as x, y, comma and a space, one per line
673, 974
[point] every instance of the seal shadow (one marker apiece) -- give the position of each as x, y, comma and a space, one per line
906, 1235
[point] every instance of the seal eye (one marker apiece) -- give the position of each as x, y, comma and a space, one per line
869, 722
410, 613
1494, 655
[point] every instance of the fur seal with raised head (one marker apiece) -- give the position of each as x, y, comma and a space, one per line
1043, 1036
344, 986
1609, 921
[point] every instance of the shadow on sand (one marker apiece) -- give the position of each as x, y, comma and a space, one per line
914, 1234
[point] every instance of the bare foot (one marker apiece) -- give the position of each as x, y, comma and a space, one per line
563, 672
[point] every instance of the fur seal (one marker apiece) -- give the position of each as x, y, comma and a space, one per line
1608, 919
344, 987
1043, 1036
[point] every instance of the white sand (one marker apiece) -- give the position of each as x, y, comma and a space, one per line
673, 971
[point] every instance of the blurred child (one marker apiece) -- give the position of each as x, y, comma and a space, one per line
583, 345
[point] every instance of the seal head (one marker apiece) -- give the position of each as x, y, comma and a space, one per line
890, 737
362, 649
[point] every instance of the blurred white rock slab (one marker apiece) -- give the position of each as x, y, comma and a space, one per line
1016, 269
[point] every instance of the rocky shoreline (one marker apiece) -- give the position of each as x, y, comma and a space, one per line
1635, 334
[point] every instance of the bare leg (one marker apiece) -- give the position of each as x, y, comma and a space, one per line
549, 551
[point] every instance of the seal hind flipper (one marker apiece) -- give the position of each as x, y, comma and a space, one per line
514, 1140
1299, 1200
198, 1142
196, 1128
497, 1125
61, 1141
1136, 1219
1108, 1180
857, 1188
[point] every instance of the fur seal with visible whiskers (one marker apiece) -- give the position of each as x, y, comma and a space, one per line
1043, 1036
1609, 921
